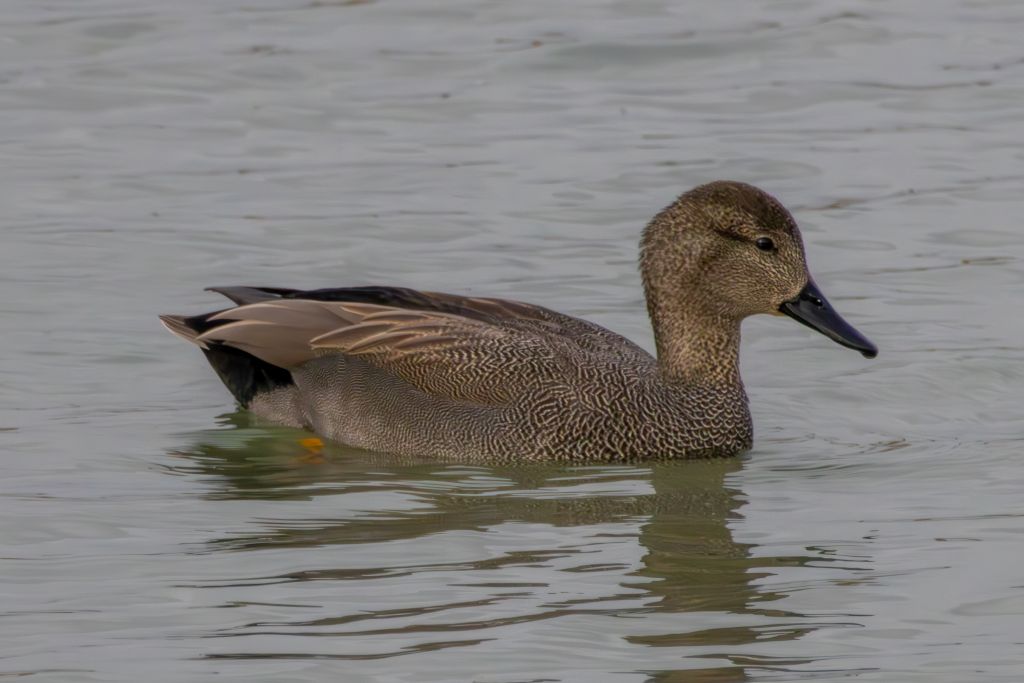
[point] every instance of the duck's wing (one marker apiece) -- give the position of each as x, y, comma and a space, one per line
504, 313
443, 354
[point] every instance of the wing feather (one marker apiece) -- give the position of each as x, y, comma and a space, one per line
467, 348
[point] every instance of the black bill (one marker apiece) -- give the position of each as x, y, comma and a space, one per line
811, 308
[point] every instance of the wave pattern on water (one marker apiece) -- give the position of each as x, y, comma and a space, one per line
509, 149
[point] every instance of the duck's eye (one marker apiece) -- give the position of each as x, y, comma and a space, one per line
764, 244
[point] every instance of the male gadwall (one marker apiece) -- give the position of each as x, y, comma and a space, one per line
426, 374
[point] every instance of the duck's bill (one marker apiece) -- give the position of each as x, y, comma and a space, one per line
811, 308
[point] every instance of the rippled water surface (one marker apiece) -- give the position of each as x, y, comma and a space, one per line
150, 532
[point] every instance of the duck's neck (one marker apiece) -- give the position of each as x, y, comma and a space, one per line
696, 346
698, 336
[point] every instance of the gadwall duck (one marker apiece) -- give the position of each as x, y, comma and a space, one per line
427, 374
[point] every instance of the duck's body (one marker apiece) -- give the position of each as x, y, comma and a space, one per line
419, 373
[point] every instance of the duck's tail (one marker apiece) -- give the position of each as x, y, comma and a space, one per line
179, 327
243, 374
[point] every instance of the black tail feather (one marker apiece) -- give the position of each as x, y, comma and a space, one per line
244, 374
251, 295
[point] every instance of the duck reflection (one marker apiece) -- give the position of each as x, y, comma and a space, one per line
679, 513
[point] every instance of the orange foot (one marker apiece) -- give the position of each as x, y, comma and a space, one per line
315, 455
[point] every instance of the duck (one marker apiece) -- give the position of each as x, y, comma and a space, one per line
434, 375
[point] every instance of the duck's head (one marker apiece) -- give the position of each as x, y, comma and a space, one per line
730, 250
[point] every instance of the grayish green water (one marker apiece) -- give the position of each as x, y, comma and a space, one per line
147, 532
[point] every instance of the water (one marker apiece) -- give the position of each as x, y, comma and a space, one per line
149, 532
